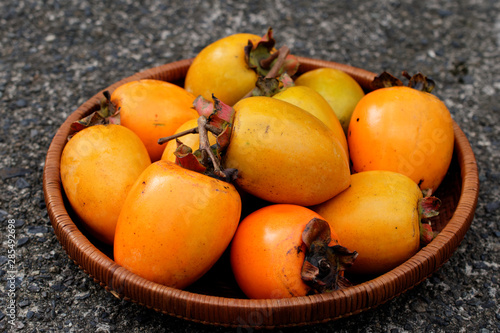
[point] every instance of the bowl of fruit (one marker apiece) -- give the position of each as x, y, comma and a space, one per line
248, 187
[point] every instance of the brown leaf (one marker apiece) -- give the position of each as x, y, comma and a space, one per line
185, 158
385, 80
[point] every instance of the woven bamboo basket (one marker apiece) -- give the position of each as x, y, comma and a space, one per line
215, 299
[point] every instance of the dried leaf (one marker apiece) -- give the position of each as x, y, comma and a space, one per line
185, 158
429, 206
262, 57
421, 83
291, 65
107, 114
222, 114
203, 106
418, 81
385, 80
426, 233
317, 230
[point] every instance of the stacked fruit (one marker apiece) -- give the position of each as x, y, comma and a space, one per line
343, 179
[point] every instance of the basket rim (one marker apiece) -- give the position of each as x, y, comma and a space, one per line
257, 313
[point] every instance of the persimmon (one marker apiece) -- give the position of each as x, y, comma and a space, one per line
221, 69
379, 216
405, 130
229, 67
99, 165
311, 101
175, 224
340, 90
270, 253
284, 154
153, 109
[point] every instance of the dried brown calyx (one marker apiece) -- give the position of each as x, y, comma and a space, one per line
274, 67
428, 208
323, 264
418, 81
107, 114
265, 59
271, 86
217, 118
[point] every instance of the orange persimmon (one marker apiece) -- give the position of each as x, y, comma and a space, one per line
284, 154
268, 251
311, 101
339, 88
221, 69
404, 130
99, 165
153, 109
175, 224
378, 216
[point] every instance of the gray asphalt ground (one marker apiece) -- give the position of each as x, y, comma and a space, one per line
57, 54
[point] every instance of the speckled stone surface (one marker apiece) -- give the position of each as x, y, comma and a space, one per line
57, 54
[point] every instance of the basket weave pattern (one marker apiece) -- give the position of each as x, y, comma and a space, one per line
458, 192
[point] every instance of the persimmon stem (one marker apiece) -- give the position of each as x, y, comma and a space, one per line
216, 131
213, 129
178, 135
282, 53
205, 143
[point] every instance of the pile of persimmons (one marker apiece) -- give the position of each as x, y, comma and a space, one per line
344, 177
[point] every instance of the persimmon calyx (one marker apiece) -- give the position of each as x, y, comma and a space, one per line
216, 118
185, 157
221, 119
271, 86
323, 264
203, 106
107, 114
418, 81
263, 58
428, 207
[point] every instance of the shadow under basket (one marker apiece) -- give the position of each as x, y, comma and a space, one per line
216, 299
